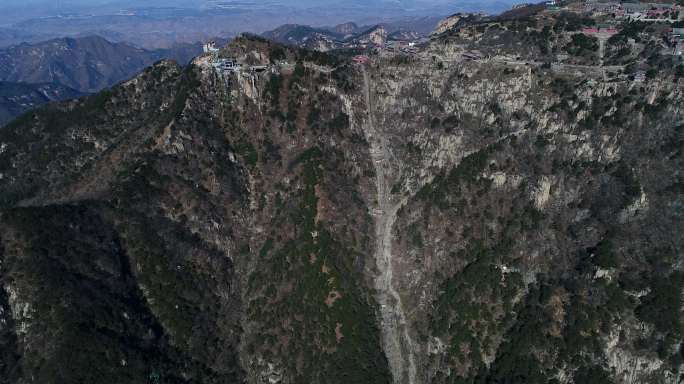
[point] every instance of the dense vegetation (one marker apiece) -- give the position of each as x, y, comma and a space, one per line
330, 333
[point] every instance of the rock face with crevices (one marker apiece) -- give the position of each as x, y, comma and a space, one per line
420, 220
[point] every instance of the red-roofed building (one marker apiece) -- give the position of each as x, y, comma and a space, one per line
602, 29
361, 59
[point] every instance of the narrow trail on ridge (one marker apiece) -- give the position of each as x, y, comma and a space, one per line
397, 342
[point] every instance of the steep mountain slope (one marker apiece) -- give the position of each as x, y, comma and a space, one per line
548, 236
17, 98
200, 149
375, 35
417, 220
154, 304
453, 22
87, 64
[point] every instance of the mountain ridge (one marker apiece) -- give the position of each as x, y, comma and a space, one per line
430, 217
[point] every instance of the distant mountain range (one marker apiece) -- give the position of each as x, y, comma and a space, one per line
86, 64
308, 37
160, 24
33, 74
327, 38
10, 36
17, 98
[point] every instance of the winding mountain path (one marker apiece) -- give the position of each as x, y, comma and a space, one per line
396, 338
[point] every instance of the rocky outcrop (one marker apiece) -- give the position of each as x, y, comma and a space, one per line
447, 24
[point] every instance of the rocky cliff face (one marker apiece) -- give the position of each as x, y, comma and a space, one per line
413, 221
524, 211
376, 35
447, 24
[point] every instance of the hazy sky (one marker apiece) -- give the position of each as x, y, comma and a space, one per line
191, 3
23, 9
104, 17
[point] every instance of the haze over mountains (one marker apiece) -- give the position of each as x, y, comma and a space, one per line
134, 34
86, 64
154, 24
59, 69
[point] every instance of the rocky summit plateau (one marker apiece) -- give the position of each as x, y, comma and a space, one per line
502, 202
